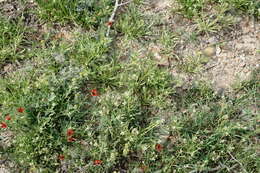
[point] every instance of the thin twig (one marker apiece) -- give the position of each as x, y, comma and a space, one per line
210, 67
237, 162
124, 3
111, 19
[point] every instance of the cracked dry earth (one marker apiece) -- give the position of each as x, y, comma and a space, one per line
234, 53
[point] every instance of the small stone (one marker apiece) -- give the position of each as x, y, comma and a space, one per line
209, 51
8, 68
160, 59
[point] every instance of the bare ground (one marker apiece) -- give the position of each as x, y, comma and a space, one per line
232, 54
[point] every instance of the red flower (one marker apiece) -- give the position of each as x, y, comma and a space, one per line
7, 117
61, 157
70, 132
94, 92
109, 23
97, 162
3, 125
71, 139
158, 147
20, 109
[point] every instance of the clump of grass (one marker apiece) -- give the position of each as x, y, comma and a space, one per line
214, 15
112, 124
90, 14
192, 8
193, 64
132, 23
123, 123
214, 131
250, 7
10, 42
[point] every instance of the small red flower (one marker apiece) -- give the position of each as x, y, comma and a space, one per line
3, 125
61, 157
71, 139
97, 162
70, 132
20, 109
158, 147
94, 92
109, 23
7, 117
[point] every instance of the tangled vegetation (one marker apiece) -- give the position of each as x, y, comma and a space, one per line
73, 105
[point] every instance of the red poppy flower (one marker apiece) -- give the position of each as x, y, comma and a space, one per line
71, 139
158, 147
20, 109
7, 117
70, 132
3, 125
97, 162
94, 92
109, 23
61, 157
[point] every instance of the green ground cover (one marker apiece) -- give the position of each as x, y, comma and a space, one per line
76, 106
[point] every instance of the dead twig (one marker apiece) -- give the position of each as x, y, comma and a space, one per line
124, 3
241, 165
111, 19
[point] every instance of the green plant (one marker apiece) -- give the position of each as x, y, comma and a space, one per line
212, 24
90, 14
249, 6
11, 39
191, 8
75, 106
132, 23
